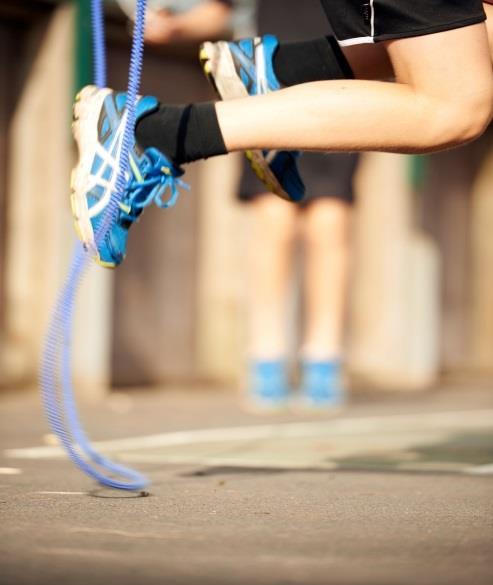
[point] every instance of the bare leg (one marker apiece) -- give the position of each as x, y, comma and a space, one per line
443, 98
489, 25
270, 263
369, 61
326, 235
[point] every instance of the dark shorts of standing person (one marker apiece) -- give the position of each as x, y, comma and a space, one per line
368, 21
326, 176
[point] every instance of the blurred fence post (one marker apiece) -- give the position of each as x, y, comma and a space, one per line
221, 292
37, 214
482, 285
395, 290
39, 225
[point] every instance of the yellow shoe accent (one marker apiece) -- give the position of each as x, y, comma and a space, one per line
125, 208
105, 264
203, 54
135, 170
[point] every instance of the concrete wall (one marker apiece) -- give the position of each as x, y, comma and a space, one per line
174, 312
481, 297
38, 235
37, 219
156, 310
393, 312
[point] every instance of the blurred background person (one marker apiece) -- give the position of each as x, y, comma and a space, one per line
322, 220
322, 223
194, 21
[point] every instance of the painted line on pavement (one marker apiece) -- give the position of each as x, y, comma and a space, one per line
486, 469
452, 420
62, 493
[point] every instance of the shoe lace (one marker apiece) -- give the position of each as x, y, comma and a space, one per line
144, 193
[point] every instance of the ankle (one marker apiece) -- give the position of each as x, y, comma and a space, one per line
183, 133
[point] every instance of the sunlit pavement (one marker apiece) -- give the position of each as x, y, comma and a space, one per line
396, 489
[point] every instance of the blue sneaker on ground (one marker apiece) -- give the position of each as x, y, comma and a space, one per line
322, 386
98, 127
242, 68
267, 386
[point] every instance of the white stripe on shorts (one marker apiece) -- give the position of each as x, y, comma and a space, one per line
372, 8
355, 41
363, 40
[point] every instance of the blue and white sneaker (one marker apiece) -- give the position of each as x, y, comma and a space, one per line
98, 127
267, 390
242, 68
322, 386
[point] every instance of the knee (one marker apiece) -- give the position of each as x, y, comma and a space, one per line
327, 223
462, 119
275, 221
473, 117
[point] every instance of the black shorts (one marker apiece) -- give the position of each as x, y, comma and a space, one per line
368, 21
325, 176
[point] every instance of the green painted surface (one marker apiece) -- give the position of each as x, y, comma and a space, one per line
83, 49
418, 166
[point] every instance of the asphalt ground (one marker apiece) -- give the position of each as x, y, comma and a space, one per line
394, 490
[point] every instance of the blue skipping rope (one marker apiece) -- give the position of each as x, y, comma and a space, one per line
56, 367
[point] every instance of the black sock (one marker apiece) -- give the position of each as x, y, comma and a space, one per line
183, 133
305, 61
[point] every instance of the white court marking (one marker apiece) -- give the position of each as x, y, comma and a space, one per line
486, 469
452, 420
62, 493
10, 471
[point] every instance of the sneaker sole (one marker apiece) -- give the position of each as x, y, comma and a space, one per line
219, 68
87, 108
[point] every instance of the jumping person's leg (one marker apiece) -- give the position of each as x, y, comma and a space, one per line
443, 97
488, 8
262, 65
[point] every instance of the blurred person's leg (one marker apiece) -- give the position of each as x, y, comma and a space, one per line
269, 270
326, 225
326, 241
326, 218
270, 262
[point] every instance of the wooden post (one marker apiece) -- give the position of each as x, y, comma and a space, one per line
40, 237
394, 299
221, 293
482, 282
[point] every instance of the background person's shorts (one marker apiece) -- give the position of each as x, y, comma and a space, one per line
368, 21
325, 176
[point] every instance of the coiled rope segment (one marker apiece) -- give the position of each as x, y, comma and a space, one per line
56, 367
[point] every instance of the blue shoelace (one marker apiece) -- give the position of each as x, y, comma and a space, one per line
136, 189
